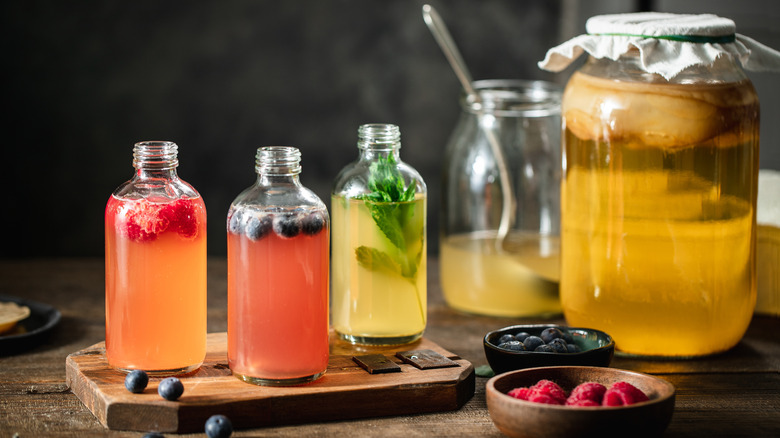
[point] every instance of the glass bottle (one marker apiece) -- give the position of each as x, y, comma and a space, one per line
500, 217
278, 256
379, 244
155, 267
658, 205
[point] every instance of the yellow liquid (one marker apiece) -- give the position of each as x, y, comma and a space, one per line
519, 278
658, 239
376, 306
768, 270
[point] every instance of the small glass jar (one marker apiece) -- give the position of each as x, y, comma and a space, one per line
278, 266
500, 217
155, 267
658, 204
379, 244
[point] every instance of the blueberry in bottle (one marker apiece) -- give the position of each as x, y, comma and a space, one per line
258, 227
287, 225
312, 223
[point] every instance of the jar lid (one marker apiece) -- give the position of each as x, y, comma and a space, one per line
667, 43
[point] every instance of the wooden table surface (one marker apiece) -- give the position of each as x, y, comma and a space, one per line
730, 395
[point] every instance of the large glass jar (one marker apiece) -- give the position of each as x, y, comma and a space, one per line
379, 244
658, 204
500, 216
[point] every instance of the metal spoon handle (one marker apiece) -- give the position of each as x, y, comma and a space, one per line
443, 37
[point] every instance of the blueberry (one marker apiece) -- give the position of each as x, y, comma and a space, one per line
136, 381
521, 336
544, 348
512, 345
559, 345
234, 221
257, 228
154, 435
170, 388
218, 426
551, 333
532, 342
312, 223
572, 348
567, 337
287, 225
506, 338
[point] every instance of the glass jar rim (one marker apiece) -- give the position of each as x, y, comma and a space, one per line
515, 98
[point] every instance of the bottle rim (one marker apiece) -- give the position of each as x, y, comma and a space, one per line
514, 98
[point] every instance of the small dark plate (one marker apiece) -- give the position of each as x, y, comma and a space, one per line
597, 349
30, 331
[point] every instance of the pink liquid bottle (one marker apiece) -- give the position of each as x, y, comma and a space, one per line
155, 268
278, 266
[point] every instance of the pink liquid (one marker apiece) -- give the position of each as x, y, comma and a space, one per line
278, 307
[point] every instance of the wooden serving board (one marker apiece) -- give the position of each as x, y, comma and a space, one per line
346, 391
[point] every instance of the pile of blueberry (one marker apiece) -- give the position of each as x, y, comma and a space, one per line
286, 224
551, 340
171, 388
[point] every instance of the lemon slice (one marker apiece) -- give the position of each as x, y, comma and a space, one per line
10, 314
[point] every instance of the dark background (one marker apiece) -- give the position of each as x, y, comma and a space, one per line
85, 80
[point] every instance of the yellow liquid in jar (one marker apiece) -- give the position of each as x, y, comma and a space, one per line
376, 306
658, 214
768, 270
518, 278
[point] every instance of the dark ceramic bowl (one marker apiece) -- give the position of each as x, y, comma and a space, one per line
597, 349
520, 418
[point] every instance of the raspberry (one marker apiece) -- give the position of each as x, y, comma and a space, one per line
182, 216
550, 389
544, 398
590, 392
520, 393
623, 394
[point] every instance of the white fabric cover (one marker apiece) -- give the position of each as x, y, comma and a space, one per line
662, 56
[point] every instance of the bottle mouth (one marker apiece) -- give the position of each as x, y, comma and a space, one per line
515, 98
278, 160
379, 136
155, 155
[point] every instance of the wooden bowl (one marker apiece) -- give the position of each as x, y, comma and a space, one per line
520, 418
597, 347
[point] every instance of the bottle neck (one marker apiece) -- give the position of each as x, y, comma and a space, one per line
379, 140
155, 159
278, 165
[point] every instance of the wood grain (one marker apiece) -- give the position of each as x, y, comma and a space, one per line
346, 391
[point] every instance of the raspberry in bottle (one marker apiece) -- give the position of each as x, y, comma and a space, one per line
278, 276
155, 230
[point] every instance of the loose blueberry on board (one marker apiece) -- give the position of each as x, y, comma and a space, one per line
258, 227
136, 381
218, 426
312, 223
154, 435
287, 225
170, 388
